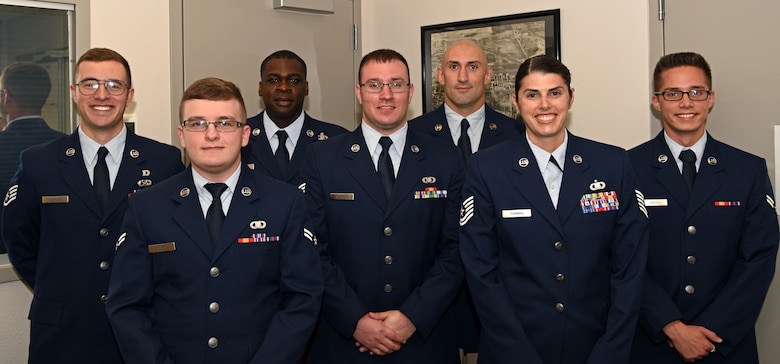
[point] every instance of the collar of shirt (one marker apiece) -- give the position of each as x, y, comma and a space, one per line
543, 157
372, 136
24, 117
204, 196
115, 146
476, 124
293, 132
697, 148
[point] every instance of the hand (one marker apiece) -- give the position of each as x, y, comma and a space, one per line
691, 342
374, 336
397, 321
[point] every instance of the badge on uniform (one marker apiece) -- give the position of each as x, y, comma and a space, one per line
308, 234
466, 210
161, 247
259, 238
727, 203
599, 202
430, 192
10, 196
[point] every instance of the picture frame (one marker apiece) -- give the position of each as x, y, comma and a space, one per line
508, 41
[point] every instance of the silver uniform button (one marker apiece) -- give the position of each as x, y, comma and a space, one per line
213, 342
559, 277
103, 232
388, 288
214, 307
103, 298
689, 289
104, 265
558, 246
388, 259
559, 307
388, 231
691, 230
691, 259
214, 272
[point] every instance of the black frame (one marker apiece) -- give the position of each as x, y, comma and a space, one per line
504, 57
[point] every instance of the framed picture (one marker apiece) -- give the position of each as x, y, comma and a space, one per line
508, 41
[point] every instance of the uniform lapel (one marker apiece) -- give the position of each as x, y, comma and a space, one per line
75, 173
490, 135
409, 173
439, 127
575, 180
129, 176
240, 212
527, 179
666, 172
362, 169
299, 154
709, 178
189, 214
263, 153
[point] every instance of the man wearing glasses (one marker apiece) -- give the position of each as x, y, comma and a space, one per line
384, 203
214, 264
64, 209
713, 229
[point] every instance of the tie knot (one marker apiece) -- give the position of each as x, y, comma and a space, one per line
688, 156
555, 162
282, 135
385, 142
216, 189
464, 124
102, 152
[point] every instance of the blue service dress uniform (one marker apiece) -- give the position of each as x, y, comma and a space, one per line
18, 136
381, 254
496, 129
259, 156
253, 297
62, 246
712, 252
554, 286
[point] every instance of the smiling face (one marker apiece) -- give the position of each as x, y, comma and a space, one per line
683, 120
543, 101
283, 88
215, 155
101, 112
464, 73
385, 111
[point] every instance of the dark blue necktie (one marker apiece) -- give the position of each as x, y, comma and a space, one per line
688, 157
282, 155
385, 166
464, 143
101, 182
215, 216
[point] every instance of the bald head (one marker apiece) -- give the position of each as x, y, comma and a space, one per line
464, 73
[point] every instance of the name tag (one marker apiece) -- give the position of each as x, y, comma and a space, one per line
162, 247
656, 202
55, 199
342, 196
511, 214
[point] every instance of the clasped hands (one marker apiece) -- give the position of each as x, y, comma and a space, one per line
382, 333
691, 342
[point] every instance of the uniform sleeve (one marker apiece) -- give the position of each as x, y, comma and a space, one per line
340, 304
130, 293
301, 286
502, 330
22, 222
628, 261
735, 310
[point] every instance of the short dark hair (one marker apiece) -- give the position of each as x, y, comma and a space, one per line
283, 54
674, 60
213, 89
382, 56
105, 55
28, 84
543, 64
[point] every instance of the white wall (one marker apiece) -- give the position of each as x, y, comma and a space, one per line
603, 42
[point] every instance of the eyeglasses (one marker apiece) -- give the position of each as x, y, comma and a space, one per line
221, 126
376, 86
677, 95
91, 86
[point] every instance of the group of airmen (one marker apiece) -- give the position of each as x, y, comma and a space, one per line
292, 240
